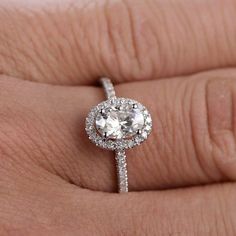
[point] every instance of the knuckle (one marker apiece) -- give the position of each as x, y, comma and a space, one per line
212, 121
220, 103
130, 40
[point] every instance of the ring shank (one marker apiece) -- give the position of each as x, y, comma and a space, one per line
108, 87
122, 175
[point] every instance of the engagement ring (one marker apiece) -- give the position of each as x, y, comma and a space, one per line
118, 124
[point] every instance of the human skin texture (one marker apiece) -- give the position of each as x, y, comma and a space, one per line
175, 57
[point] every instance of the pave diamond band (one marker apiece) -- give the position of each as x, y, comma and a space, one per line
122, 175
118, 124
108, 87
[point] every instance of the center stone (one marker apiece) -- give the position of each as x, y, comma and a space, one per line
120, 122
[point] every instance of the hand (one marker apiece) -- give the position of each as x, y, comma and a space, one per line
170, 55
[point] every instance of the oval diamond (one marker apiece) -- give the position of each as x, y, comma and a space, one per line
120, 121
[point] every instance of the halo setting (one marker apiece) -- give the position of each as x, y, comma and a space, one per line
118, 123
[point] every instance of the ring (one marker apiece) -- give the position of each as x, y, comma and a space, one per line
118, 124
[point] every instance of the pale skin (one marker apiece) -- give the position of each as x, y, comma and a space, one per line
172, 56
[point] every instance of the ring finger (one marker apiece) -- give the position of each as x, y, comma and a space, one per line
193, 139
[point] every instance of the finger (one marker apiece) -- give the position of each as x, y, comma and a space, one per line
176, 212
193, 138
61, 208
127, 40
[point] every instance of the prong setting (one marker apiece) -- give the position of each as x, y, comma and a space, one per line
139, 131
102, 111
105, 135
118, 143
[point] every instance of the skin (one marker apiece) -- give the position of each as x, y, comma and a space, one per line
177, 58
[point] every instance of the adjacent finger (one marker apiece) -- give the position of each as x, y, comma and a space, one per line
75, 43
175, 212
36, 206
193, 138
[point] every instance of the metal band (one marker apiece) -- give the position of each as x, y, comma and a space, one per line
122, 175
108, 87
120, 156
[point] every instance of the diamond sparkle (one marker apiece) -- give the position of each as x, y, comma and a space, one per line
119, 122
